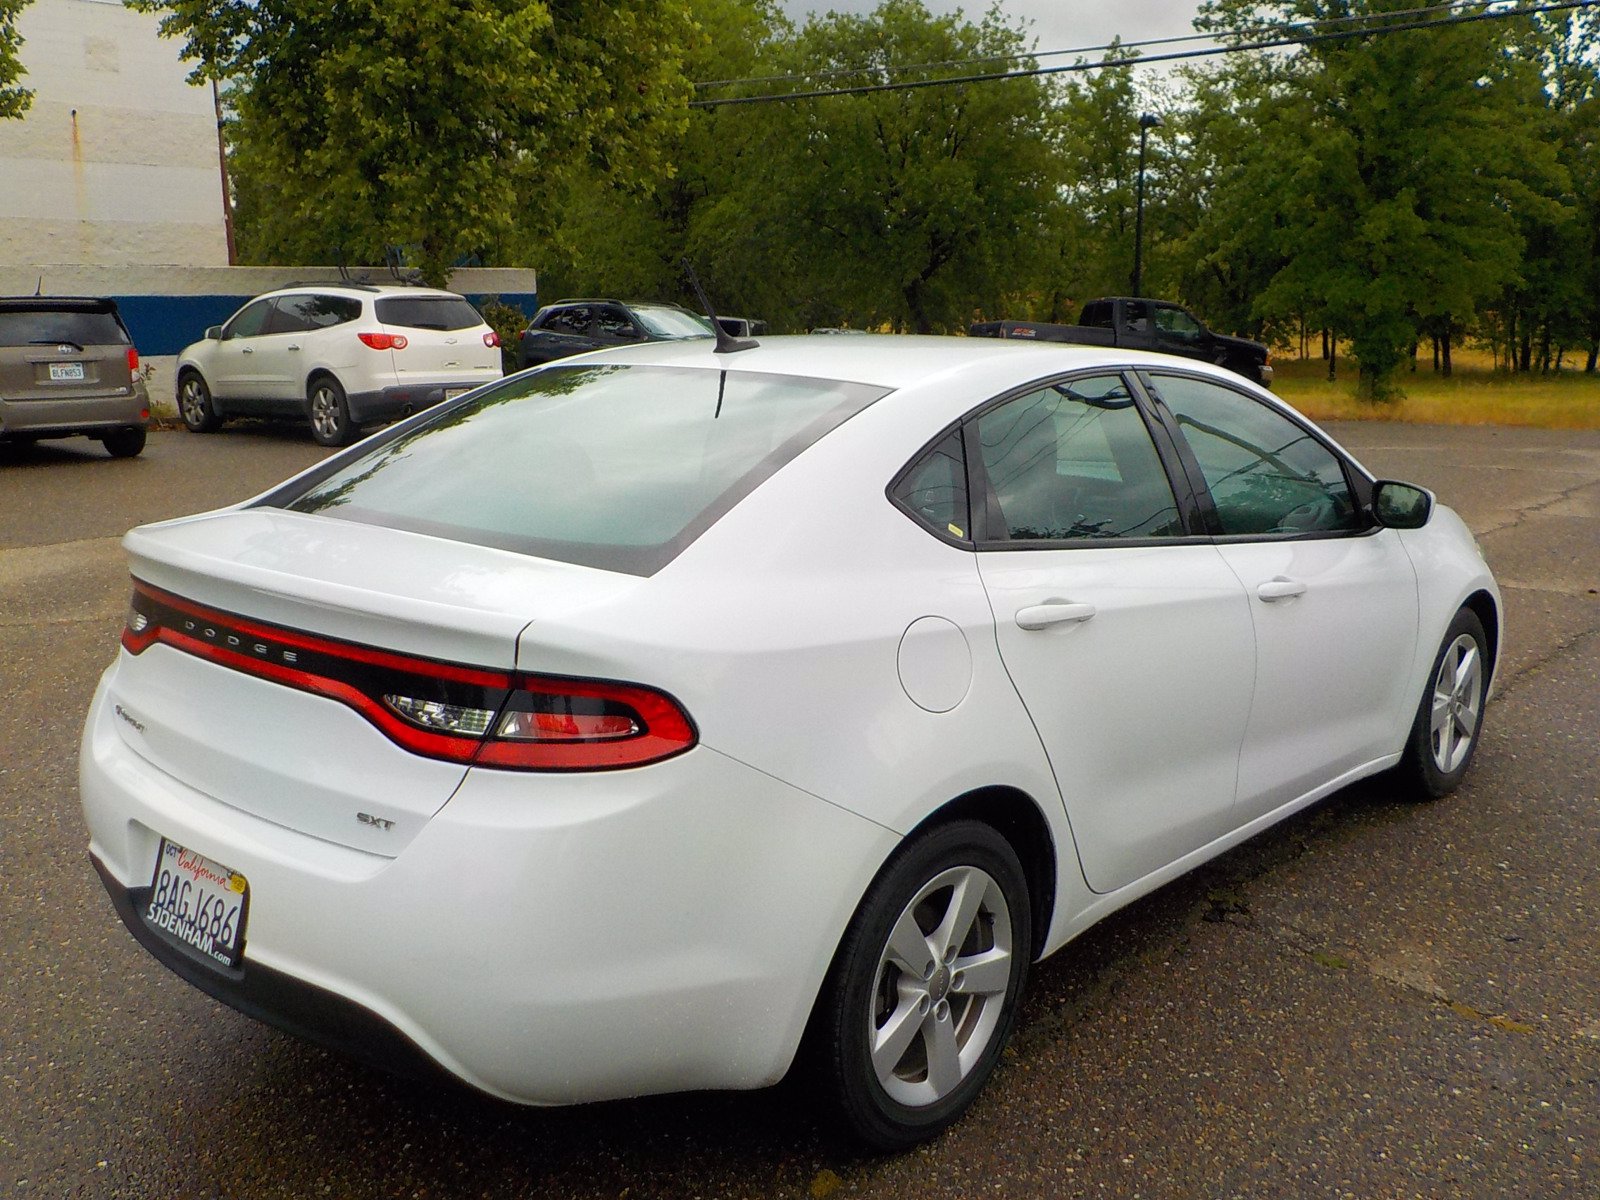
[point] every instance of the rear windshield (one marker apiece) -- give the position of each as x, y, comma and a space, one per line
428, 312
671, 322
609, 466
60, 327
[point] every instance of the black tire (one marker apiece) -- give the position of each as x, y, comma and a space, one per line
124, 443
868, 988
195, 407
329, 411
1436, 760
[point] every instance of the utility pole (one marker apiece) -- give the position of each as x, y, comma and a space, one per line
1147, 122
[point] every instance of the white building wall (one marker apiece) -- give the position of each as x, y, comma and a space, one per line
116, 161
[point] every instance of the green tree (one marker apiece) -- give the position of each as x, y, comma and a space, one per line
914, 208
444, 126
14, 98
1396, 197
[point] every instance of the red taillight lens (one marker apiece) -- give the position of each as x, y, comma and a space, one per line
439, 710
133, 359
384, 341
491, 339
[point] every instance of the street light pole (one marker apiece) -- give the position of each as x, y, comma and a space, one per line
1147, 121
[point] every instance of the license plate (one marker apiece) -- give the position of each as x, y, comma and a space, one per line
65, 372
199, 903
452, 393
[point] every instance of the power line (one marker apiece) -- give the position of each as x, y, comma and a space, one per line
1146, 60
898, 68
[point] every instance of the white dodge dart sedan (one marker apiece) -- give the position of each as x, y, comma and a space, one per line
643, 721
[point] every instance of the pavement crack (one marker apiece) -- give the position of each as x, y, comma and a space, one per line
1558, 497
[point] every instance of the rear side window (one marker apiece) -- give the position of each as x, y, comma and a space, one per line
616, 467
297, 314
50, 327
934, 490
1074, 461
428, 312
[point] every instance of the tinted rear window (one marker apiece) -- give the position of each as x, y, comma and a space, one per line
617, 467
51, 327
428, 312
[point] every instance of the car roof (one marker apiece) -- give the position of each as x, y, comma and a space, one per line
897, 361
56, 304
358, 291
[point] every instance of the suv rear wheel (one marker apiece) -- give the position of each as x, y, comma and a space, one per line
330, 413
194, 404
124, 443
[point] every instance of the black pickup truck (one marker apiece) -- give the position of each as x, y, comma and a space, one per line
1139, 324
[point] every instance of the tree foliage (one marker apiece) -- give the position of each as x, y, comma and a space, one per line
439, 125
14, 98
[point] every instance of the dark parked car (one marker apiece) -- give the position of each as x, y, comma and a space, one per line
576, 326
1135, 323
69, 368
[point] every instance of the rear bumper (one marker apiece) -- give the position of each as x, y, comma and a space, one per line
545, 938
59, 417
400, 400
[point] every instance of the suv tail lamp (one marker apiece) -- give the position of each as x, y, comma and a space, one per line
491, 339
505, 719
133, 360
384, 341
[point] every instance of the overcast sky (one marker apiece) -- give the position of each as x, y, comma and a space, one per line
1056, 24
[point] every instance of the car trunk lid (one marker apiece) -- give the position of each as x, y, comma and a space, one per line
237, 699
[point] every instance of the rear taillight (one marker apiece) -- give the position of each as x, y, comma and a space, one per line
463, 714
133, 359
491, 339
384, 341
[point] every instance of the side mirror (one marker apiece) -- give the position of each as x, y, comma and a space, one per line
631, 332
1398, 505
214, 333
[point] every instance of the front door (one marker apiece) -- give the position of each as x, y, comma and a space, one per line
1333, 598
1126, 634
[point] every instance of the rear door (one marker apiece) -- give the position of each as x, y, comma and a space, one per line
64, 350
444, 340
1332, 597
1126, 634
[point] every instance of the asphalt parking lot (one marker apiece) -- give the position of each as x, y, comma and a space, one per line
1373, 1000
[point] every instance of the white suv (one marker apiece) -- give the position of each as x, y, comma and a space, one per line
343, 355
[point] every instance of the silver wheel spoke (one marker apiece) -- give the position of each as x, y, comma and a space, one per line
944, 1056
986, 974
908, 949
965, 898
889, 1044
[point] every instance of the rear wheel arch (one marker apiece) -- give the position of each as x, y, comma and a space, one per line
1017, 817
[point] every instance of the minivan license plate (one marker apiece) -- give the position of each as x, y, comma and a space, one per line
198, 903
65, 372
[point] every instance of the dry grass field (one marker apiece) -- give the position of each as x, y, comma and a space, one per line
1475, 394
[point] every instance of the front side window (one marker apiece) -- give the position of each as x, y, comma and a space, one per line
249, 321
1266, 473
1075, 461
616, 467
616, 324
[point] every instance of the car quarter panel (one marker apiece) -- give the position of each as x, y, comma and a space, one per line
625, 930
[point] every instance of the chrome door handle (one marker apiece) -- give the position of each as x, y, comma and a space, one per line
1280, 587
247, 349
291, 346
1053, 612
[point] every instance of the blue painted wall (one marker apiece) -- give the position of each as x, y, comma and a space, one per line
164, 325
